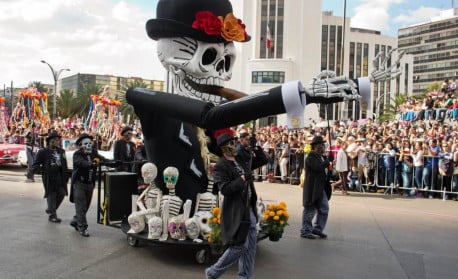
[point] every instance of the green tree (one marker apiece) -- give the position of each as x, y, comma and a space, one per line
66, 104
434, 86
391, 109
125, 108
39, 86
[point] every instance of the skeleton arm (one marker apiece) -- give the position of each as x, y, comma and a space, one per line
383, 72
140, 203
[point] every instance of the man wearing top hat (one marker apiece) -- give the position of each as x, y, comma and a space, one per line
54, 174
124, 150
317, 191
85, 161
232, 176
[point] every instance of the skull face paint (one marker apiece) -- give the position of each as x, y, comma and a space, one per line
193, 61
230, 148
86, 145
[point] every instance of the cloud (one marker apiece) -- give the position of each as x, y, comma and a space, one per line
421, 14
96, 37
373, 14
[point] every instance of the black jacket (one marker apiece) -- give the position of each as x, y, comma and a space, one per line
235, 191
316, 180
120, 154
53, 175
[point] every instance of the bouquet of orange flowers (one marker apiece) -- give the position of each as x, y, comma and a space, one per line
215, 226
276, 218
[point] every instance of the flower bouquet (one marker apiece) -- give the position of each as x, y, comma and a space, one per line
276, 219
215, 229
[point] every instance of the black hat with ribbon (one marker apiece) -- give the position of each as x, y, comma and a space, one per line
210, 21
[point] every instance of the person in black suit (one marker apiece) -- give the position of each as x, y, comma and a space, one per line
53, 162
124, 150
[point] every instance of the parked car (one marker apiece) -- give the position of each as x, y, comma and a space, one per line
9, 152
70, 147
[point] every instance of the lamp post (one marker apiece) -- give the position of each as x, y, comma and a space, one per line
55, 75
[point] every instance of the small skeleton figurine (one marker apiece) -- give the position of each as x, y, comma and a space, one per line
170, 204
170, 179
152, 195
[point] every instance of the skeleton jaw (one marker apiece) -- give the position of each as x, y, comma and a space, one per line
198, 88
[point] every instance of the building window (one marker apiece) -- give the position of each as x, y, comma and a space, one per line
272, 16
267, 77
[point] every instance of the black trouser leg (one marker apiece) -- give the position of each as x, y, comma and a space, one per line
82, 196
54, 200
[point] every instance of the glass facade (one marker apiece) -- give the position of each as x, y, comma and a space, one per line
267, 77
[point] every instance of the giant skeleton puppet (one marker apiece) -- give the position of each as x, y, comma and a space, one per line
195, 43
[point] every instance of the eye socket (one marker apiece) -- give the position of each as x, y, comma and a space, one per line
227, 63
209, 56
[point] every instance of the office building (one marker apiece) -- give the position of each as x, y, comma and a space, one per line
434, 47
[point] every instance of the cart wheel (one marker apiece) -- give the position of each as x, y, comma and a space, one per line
202, 256
132, 241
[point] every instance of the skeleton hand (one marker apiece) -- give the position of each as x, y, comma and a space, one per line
382, 72
326, 88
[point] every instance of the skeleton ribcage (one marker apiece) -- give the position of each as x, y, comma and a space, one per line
174, 204
152, 198
205, 202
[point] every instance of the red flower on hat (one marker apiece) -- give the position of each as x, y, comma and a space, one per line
228, 27
207, 21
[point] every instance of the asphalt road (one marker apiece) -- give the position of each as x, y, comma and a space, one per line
370, 236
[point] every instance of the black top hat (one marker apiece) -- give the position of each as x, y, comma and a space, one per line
83, 136
210, 21
126, 129
317, 140
224, 138
51, 135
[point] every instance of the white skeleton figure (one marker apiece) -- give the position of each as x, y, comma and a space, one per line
205, 202
152, 195
170, 179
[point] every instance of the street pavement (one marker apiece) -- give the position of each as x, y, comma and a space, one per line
369, 236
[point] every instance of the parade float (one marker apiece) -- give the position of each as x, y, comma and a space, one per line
31, 107
104, 116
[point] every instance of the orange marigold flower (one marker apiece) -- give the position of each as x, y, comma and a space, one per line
276, 218
233, 29
215, 210
271, 213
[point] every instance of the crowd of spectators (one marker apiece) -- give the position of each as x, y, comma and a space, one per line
414, 155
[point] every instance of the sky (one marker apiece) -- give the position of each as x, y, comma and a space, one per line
109, 37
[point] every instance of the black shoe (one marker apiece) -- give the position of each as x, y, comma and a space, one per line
84, 233
308, 236
74, 224
54, 219
320, 234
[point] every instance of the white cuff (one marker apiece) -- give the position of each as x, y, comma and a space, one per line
294, 102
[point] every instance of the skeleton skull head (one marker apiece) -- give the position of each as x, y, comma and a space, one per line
136, 222
203, 218
149, 172
192, 228
195, 62
171, 177
154, 227
86, 145
177, 228
230, 147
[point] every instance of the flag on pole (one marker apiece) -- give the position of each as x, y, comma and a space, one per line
268, 37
